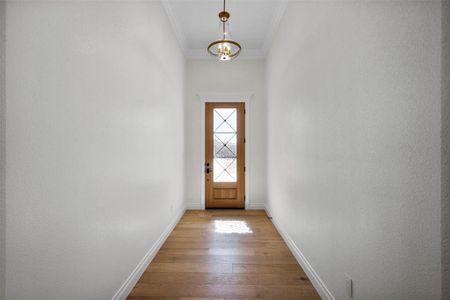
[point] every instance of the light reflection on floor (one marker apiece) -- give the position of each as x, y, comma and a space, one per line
239, 227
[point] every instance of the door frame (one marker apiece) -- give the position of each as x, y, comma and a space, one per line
244, 97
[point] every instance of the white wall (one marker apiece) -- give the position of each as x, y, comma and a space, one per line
2, 148
94, 92
211, 76
445, 150
354, 143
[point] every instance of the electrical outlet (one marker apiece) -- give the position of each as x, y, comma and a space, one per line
348, 286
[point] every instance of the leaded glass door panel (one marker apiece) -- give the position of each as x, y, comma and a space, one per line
225, 155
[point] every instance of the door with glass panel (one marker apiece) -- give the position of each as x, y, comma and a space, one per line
225, 155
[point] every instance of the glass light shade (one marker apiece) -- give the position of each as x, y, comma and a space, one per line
224, 48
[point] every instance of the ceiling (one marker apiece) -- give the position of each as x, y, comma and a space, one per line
253, 24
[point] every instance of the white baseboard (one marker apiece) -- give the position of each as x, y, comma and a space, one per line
255, 206
198, 206
320, 286
131, 281
195, 206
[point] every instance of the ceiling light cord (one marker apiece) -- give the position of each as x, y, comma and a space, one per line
224, 48
223, 29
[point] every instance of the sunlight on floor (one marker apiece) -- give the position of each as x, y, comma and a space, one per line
232, 227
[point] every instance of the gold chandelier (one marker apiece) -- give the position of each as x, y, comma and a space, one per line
224, 48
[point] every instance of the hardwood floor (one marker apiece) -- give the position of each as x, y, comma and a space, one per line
226, 255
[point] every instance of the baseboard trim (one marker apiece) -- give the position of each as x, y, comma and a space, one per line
251, 206
131, 281
194, 206
320, 286
254, 206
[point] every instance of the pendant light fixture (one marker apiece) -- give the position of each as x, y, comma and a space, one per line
224, 48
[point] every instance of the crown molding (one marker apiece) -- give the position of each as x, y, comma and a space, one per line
201, 54
175, 26
275, 23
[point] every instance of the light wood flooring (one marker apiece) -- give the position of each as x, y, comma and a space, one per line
224, 255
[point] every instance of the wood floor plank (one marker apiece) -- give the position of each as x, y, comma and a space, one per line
191, 267
293, 278
224, 244
271, 269
240, 257
192, 290
179, 256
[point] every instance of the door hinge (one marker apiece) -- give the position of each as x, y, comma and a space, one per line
245, 169
245, 111
244, 198
245, 140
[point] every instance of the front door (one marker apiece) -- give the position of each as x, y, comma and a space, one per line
225, 155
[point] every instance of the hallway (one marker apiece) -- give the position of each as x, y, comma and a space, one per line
122, 121
224, 254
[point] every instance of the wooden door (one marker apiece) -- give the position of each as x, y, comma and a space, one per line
225, 155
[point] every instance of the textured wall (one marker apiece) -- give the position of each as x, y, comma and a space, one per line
2, 148
240, 76
354, 151
95, 96
445, 149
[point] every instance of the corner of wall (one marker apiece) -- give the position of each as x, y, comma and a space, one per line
133, 278
184, 130
313, 276
193, 205
256, 206
445, 162
2, 145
